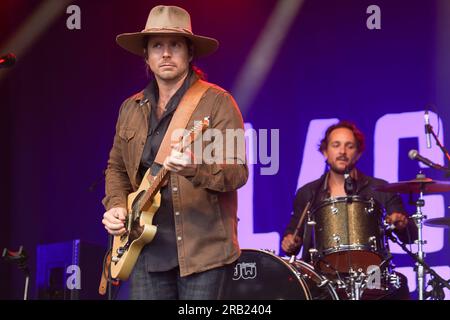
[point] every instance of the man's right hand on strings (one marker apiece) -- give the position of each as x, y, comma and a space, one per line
114, 221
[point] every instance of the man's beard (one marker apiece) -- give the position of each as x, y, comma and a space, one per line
337, 170
340, 171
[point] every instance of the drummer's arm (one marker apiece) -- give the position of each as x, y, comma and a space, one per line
289, 244
405, 227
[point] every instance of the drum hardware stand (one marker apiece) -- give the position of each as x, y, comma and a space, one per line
338, 283
388, 273
357, 284
358, 280
20, 258
438, 283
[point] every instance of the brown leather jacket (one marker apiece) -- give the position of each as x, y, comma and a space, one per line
205, 205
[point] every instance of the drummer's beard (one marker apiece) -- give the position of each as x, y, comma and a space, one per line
350, 165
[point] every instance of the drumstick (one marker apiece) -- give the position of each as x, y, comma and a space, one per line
299, 224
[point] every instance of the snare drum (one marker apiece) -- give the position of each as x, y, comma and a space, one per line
260, 275
349, 234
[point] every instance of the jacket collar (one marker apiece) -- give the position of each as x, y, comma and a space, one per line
139, 98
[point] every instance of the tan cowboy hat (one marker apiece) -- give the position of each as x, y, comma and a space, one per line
167, 20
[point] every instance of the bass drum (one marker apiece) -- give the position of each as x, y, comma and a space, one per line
260, 275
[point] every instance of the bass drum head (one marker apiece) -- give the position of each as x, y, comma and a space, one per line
260, 275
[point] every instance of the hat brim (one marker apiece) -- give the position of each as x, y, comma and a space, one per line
135, 42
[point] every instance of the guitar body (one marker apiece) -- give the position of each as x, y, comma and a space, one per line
139, 234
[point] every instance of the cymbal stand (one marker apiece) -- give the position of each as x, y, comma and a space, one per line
418, 219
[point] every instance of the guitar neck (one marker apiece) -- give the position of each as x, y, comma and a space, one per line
154, 188
163, 174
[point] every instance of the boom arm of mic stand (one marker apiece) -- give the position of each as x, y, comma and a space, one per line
438, 142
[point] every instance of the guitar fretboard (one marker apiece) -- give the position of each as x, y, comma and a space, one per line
162, 175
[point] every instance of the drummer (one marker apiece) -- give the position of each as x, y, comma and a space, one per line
342, 147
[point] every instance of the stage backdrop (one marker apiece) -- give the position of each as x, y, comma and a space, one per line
294, 67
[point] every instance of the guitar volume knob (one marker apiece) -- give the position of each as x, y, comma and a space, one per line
120, 251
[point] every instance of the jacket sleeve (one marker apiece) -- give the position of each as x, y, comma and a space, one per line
228, 171
117, 182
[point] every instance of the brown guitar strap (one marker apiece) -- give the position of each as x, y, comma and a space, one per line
105, 275
181, 117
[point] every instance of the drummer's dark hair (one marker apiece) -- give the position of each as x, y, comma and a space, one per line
359, 136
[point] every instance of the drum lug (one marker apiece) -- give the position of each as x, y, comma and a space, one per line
373, 240
337, 240
371, 209
312, 253
334, 209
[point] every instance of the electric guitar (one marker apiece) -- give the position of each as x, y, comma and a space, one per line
141, 207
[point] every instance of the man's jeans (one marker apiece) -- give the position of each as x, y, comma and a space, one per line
168, 285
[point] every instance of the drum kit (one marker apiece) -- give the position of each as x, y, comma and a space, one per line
350, 257
350, 254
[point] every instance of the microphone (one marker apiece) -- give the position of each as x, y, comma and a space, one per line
414, 155
427, 129
7, 60
390, 227
349, 183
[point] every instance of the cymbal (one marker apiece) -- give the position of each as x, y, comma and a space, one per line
426, 185
438, 222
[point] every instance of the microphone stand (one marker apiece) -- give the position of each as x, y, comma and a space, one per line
429, 129
20, 258
97, 181
437, 282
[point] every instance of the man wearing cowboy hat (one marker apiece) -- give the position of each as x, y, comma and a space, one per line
196, 242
